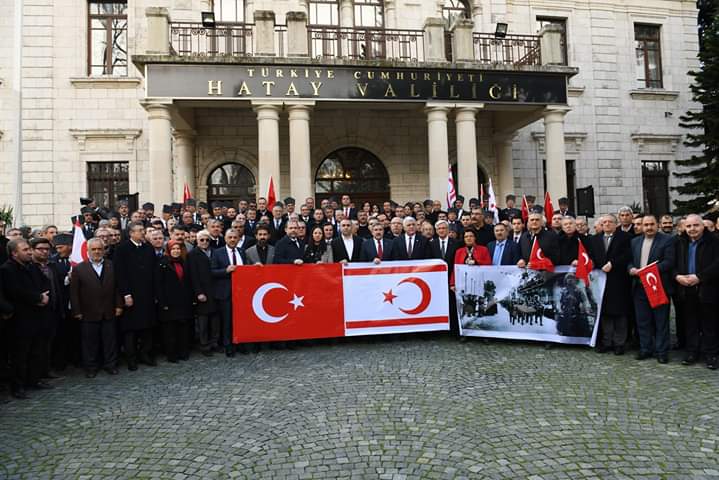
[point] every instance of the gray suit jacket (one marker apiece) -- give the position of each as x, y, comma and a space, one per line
253, 257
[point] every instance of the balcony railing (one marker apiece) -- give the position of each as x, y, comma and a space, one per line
224, 40
366, 44
510, 50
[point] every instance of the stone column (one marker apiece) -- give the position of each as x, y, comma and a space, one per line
463, 41
268, 141
390, 15
297, 34
346, 14
434, 40
184, 163
467, 182
158, 30
477, 15
160, 151
265, 33
300, 154
438, 149
554, 148
550, 45
503, 149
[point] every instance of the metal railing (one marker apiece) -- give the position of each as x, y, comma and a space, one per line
510, 50
366, 43
230, 39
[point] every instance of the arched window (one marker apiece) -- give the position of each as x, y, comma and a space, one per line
230, 182
454, 9
355, 172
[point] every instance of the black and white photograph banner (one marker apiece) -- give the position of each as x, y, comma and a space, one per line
522, 304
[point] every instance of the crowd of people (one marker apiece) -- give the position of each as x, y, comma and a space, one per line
162, 283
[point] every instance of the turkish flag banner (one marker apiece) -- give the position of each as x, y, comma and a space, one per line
548, 208
537, 260
584, 263
652, 282
286, 302
525, 209
395, 297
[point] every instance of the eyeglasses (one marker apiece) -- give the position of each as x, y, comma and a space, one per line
203, 239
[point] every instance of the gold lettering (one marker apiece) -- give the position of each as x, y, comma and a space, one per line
250, 72
214, 87
362, 88
307, 73
293, 73
279, 73
318, 73
357, 75
427, 77
390, 91
292, 90
316, 88
265, 72
384, 75
412, 92
452, 93
434, 89
400, 75
244, 90
330, 74
268, 87
514, 92
413, 75
370, 75
495, 92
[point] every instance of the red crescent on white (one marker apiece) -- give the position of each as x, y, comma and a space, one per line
426, 296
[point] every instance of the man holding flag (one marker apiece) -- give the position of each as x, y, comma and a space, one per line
653, 256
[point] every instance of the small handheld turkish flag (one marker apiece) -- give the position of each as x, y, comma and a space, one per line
537, 260
548, 208
652, 282
584, 263
525, 209
271, 197
79, 246
186, 194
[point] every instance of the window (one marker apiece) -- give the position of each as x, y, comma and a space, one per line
324, 12
107, 38
352, 171
649, 56
369, 13
560, 22
106, 181
454, 9
571, 172
230, 182
655, 183
229, 11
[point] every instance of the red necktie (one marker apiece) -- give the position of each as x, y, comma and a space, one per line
379, 248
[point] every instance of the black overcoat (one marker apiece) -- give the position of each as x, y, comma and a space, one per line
617, 292
201, 278
174, 295
135, 272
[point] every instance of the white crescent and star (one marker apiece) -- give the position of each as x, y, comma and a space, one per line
653, 284
539, 254
259, 297
586, 258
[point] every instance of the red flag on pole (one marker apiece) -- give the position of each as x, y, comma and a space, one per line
451, 192
79, 246
271, 197
548, 208
186, 194
481, 196
537, 260
525, 209
652, 282
584, 263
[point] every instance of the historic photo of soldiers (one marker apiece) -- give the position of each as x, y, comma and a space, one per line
510, 302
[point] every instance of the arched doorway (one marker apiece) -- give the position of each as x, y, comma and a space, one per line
355, 172
481, 180
230, 182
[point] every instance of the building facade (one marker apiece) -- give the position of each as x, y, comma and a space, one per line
378, 99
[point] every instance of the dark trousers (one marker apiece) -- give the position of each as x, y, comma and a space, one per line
66, 347
453, 320
652, 325
208, 329
614, 330
131, 339
225, 308
701, 322
26, 355
679, 316
99, 344
175, 337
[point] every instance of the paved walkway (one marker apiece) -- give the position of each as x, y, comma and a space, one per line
394, 410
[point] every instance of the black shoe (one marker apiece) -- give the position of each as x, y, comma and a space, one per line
618, 350
207, 353
643, 356
690, 359
184, 358
91, 374
112, 371
602, 349
149, 361
173, 360
663, 359
42, 386
712, 363
229, 351
52, 376
20, 394
132, 366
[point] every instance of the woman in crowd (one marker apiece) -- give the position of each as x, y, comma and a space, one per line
317, 250
174, 296
329, 232
471, 253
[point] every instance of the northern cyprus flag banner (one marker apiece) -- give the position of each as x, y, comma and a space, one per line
291, 302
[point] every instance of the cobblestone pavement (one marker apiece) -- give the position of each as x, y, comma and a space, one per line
387, 410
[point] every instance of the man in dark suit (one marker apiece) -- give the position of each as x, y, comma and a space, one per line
216, 238
548, 240
442, 247
346, 247
409, 245
67, 340
290, 248
697, 276
349, 212
28, 290
134, 263
611, 252
652, 323
501, 250
278, 224
224, 261
90, 220
199, 266
378, 248
261, 252
564, 208
96, 304
626, 221
510, 212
